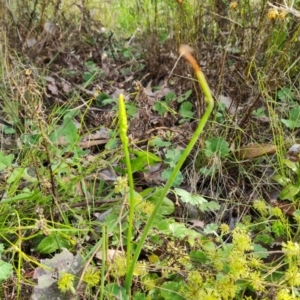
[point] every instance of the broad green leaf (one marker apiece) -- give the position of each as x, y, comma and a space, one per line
167, 206
285, 94
260, 251
9, 130
170, 96
209, 247
210, 228
162, 225
167, 173
187, 197
264, 238
291, 165
160, 107
6, 270
114, 291
217, 146
210, 205
185, 96
294, 118
140, 296
186, 110
5, 160
70, 131
131, 109
170, 290
289, 192
111, 144
178, 230
172, 157
198, 256
53, 242
143, 159
208, 171
296, 214
15, 175
157, 141
282, 180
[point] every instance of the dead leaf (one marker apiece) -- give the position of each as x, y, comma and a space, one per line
52, 88
197, 223
255, 150
97, 135
84, 144
88, 144
110, 254
228, 102
293, 153
66, 87
30, 42
50, 27
107, 175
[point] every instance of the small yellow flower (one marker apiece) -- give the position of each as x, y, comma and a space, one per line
121, 184
272, 13
256, 281
282, 15
292, 276
195, 277
284, 294
91, 276
290, 249
233, 5
140, 269
275, 212
118, 267
255, 261
241, 240
226, 287
261, 207
224, 228
66, 283
146, 207
238, 265
148, 283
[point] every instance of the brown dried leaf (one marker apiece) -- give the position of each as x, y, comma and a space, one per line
255, 150
293, 153
52, 88
111, 254
88, 144
30, 42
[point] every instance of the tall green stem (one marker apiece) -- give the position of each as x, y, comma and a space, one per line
123, 136
186, 52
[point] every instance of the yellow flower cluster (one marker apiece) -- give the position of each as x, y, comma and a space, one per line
284, 294
91, 276
241, 240
146, 207
66, 283
118, 267
273, 14
292, 276
291, 250
233, 5
121, 184
261, 207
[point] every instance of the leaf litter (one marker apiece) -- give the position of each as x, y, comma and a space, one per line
96, 79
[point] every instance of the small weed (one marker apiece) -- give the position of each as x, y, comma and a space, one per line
6, 269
